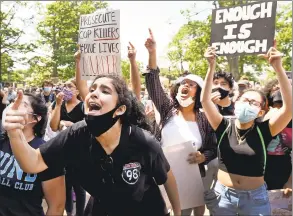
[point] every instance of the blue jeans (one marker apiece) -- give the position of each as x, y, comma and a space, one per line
223, 200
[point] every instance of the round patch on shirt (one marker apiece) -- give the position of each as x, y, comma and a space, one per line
131, 172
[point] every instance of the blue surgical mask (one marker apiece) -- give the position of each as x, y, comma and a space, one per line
245, 112
47, 89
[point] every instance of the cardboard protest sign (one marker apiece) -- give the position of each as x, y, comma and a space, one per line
99, 41
188, 178
244, 29
279, 204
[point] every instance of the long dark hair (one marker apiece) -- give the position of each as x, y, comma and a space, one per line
134, 113
174, 92
41, 110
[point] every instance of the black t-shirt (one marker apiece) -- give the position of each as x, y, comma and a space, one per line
21, 193
227, 111
48, 98
247, 158
75, 115
138, 166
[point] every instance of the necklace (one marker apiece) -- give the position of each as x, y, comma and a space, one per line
240, 139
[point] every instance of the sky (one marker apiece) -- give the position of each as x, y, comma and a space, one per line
163, 17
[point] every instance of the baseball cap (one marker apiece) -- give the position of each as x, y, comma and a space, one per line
192, 77
243, 82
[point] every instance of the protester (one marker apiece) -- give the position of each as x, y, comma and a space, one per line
270, 88
117, 162
22, 193
278, 173
181, 118
2, 107
11, 94
47, 94
38, 91
240, 189
66, 111
222, 87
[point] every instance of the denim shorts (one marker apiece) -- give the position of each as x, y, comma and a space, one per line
222, 200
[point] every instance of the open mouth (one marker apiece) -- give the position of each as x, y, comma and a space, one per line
184, 92
94, 107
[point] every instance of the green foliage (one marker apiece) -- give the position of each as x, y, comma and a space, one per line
192, 39
125, 69
10, 35
59, 32
284, 35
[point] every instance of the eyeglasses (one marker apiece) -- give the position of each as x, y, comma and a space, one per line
107, 167
251, 102
69, 86
191, 85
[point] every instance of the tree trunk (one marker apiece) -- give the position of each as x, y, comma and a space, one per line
233, 62
55, 72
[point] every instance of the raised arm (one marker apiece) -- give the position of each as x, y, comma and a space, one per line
155, 90
56, 113
81, 84
211, 112
29, 159
134, 71
283, 116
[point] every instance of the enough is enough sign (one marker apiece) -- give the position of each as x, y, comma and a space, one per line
244, 29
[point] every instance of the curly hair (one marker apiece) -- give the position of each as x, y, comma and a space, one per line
225, 75
134, 113
173, 94
268, 89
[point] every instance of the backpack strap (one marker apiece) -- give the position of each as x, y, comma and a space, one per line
263, 147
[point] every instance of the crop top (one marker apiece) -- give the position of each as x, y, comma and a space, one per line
247, 158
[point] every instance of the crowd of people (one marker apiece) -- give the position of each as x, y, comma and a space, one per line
108, 139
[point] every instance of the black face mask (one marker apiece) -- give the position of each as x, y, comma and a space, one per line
224, 93
98, 125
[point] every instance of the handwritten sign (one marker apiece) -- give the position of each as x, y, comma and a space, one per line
245, 29
99, 41
188, 178
279, 204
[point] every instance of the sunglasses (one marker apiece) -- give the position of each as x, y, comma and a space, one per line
107, 168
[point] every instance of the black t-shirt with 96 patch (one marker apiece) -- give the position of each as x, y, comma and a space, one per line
123, 183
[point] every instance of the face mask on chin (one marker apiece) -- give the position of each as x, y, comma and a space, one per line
245, 113
98, 125
184, 103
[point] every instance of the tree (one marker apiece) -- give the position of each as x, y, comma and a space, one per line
10, 36
59, 31
196, 37
125, 69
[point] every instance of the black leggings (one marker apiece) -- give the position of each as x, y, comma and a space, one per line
79, 193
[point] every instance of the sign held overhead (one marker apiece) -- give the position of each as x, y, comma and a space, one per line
244, 29
99, 42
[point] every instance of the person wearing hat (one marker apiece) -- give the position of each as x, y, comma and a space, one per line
182, 119
278, 173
